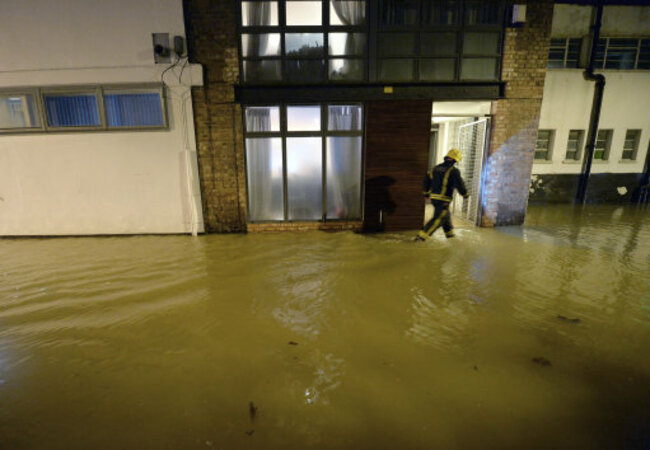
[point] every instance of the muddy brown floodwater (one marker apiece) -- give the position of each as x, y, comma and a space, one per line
534, 337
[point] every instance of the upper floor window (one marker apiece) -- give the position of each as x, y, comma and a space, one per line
420, 40
564, 53
303, 42
622, 53
315, 42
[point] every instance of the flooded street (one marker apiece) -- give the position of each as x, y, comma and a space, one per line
532, 337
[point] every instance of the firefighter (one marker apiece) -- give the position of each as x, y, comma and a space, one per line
439, 185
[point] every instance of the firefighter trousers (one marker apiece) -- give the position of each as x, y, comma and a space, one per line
441, 218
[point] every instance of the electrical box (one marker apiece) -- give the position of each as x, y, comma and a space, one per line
161, 51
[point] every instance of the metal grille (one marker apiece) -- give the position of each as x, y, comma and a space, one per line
471, 142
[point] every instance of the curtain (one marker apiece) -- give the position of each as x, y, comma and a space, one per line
259, 162
343, 164
258, 14
350, 13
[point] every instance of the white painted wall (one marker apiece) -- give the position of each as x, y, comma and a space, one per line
567, 105
78, 183
618, 21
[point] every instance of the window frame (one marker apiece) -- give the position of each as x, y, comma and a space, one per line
609, 137
549, 149
565, 52
600, 61
99, 91
460, 28
579, 145
636, 141
323, 134
325, 28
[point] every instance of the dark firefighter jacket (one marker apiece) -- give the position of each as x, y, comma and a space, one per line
441, 180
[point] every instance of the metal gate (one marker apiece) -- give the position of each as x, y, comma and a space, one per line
472, 139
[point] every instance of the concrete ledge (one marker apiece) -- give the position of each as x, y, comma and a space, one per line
356, 225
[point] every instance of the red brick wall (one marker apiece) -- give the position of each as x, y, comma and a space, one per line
212, 42
516, 118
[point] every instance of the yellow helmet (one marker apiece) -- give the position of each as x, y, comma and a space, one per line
454, 154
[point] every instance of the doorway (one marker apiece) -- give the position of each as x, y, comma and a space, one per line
464, 125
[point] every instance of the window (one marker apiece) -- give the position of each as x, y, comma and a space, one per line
303, 42
631, 144
327, 41
573, 145
303, 162
129, 109
19, 111
72, 109
448, 40
603, 143
83, 109
564, 53
543, 144
622, 53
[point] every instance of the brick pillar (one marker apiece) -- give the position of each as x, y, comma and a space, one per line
516, 118
212, 42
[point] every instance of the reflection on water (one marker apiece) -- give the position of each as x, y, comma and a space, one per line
519, 337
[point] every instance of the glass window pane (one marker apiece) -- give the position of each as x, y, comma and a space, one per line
396, 44
437, 69
347, 43
346, 69
305, 70
262, 119
483, 12
74, 110
344, 177
304, 45
344, 12
344, 118
264, 171
257, 45
18, 111
399, 12
303, 118
396, 70
259, 13
438, 44
304, 13
304, 178
478, 69
480, 44
129, 109
259, 71
620, 58
441, 12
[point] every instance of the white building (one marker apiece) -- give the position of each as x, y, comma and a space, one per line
91, 139
624, 126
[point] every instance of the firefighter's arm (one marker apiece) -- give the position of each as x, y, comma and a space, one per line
426, 184
460, 184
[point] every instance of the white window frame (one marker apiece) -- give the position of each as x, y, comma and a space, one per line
635, 144
549, 149
579, 145
608, 144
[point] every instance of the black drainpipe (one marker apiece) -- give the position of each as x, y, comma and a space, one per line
599, 88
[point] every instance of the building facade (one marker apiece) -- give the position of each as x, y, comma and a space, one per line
231, 116
621, 152
96, 129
